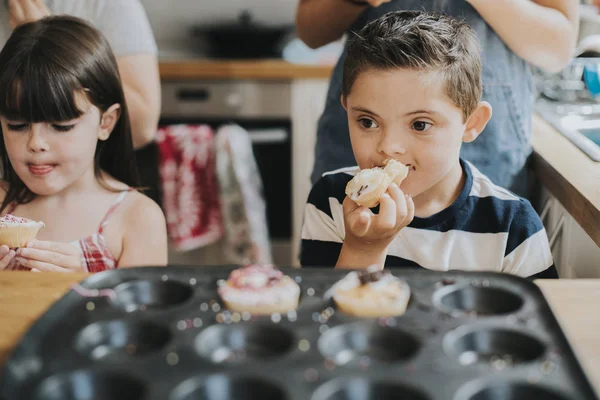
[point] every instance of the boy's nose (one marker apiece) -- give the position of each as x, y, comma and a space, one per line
36, 142
390, 145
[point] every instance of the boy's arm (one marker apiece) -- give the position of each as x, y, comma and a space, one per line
321, 237
352, 258
527, 251
319, 22
542, 32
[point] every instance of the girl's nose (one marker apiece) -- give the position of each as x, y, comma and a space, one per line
37, 142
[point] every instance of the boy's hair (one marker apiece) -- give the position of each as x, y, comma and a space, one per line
423, 41
43, 65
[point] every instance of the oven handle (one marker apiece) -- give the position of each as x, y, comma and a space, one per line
268, 136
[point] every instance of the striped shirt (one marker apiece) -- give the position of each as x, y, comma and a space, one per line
487, 228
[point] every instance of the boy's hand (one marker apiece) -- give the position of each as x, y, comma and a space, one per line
23, 11
370, 232
7, 257
50, 257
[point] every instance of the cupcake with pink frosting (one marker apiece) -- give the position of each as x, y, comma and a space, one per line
259, 289
15, 232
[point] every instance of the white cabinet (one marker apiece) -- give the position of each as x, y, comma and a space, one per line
308, 102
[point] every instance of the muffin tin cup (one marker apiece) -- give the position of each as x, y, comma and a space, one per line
85, 385
164, 334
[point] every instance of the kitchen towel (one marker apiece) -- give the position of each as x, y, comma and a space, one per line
189, 185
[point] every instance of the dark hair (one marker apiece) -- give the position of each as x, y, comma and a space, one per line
43, 65
422, 41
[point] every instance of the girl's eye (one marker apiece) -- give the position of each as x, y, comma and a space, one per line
62, 128
421, 126
367, 123
17, 127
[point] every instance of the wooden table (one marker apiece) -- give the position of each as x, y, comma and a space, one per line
25, 296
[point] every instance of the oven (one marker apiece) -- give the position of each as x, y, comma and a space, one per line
263, 109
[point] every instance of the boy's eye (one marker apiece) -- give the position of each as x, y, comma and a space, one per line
17, 127
62, 128
367, 123
421, 126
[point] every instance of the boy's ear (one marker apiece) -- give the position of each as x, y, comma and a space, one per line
477, 121
108, 121
343, 100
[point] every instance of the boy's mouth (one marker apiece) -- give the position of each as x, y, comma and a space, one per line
410, 166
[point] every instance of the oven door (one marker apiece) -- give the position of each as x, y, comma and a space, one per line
263, 110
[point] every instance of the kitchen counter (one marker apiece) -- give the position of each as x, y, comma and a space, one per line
173, 69
26, 296
571, 177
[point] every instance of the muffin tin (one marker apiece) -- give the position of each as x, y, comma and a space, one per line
156, 333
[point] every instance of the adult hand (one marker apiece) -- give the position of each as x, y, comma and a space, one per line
22, 11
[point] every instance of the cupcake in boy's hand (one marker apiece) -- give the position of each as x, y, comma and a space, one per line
15, 232
259, 289
371, 293
368, 185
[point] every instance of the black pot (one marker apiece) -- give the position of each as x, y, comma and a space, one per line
243, 39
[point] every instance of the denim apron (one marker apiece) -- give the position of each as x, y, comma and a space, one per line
500, 151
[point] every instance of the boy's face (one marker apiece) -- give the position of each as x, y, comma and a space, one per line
405, 115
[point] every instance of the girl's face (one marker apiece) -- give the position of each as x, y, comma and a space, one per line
50, 157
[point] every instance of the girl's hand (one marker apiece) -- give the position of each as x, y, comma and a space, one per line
50, 257
23, 11
370, 232
7, 257
377, 3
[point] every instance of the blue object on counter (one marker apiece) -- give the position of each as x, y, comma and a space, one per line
591, 79
297, 52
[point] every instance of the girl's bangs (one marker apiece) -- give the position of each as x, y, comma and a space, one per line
38, 91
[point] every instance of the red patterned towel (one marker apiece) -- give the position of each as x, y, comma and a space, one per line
189, 185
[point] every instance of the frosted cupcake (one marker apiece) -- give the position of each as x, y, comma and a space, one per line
368, 185
259, 289
371, 293
15, 232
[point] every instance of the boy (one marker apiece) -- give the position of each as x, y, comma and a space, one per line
412, 89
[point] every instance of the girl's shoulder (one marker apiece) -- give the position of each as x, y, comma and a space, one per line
136, 211
140, 208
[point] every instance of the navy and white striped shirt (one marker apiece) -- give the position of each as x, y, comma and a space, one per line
487, 228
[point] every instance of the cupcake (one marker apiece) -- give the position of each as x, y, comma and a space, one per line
371, 293
368, 185
259, 289
15, 232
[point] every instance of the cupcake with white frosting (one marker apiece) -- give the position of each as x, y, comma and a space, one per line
368, 185
371, 293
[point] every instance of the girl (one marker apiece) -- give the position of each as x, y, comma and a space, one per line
67, 154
